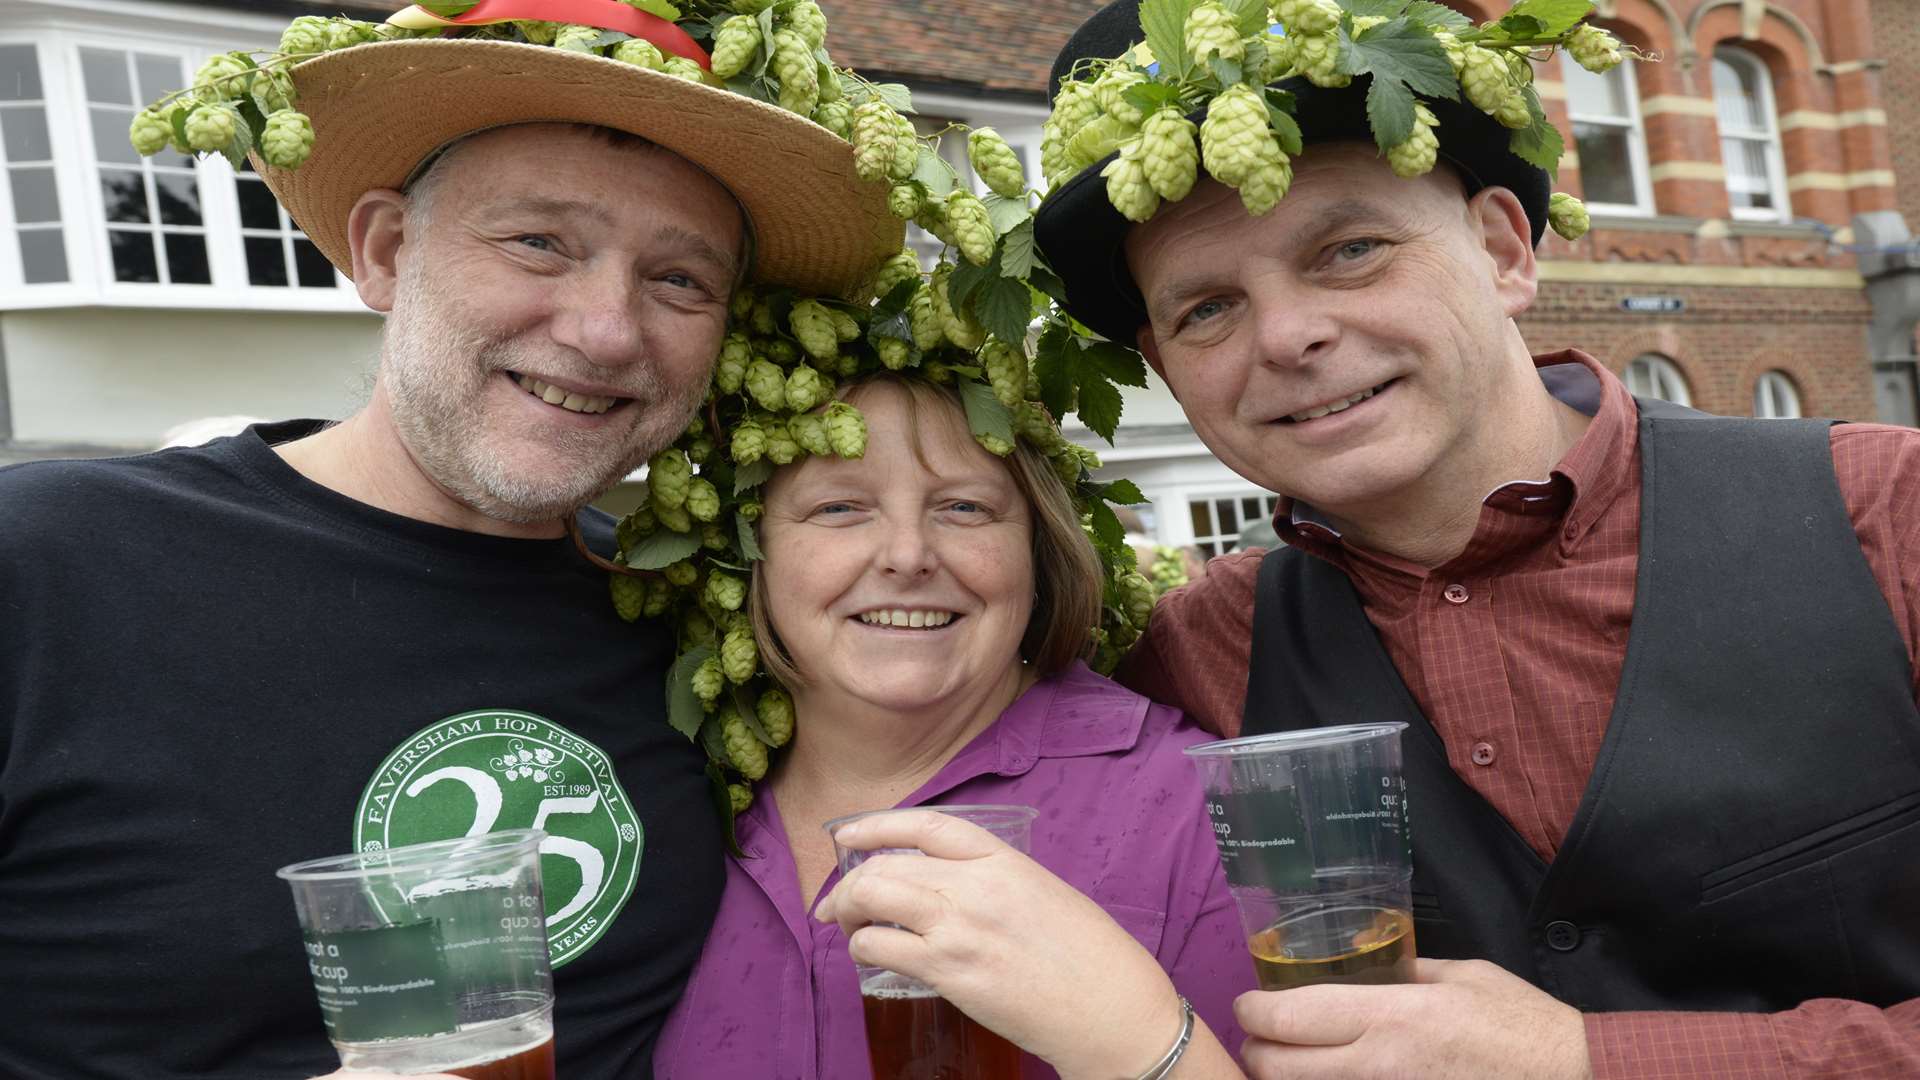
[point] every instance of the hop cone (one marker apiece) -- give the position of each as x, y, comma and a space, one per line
767, 385
211, 127
806, 19
343, 33
306, 34
734, 45
835, 116
1280, 58
1300, 17
806, 388
739, 797
1318, 58
993, 444
731, 371
149, 133
750, 509
782, 449
1006, 372
829, 80
775, 710
1169, 157
846, 430
1234, 136
726, 591
1594, 49
1212, 31
902, 267
708, 681
780, 351
659, 595
933, 219
751, 7
810, 431
794, 66
1097, 140
1055, 164
903, 201
1415, 156
576, 38
714, 538
1031, 422
669, 477
640, 53
959, 329
537, 31
749, 442
906, 149
675, 517
813, 327
682, 68
1127, 186
1110, 92
972, 227
923, 317
874, 136
747, 754
682, 573
287, 139
893, 353
703, 500
996, 163
1567, 216
700, 450
219, 79
1485, 79
1136, 597
1456, 52
1065, 466
845, 326
629, 595
1073, 108
1267, 183
1513, 112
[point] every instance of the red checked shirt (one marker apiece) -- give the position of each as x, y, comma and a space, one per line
1514, 649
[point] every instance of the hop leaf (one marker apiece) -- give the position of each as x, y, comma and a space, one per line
739, 657
726, 590
794, 66
211, 127
1127, 186
1234, 137
287, 139
629, 595
747, 754
995, 163
1415, 156
643, 53
1169, 157
1594, 49
149, 133
874, 138
734, 45
1567, 216
708, 682
846, 430
813, 327
972, 226
1213, 31
775, 711
806, 388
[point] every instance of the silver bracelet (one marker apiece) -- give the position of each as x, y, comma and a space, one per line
1164, 1066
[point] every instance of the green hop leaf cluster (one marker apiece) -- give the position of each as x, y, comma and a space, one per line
1169, 155
749, 442
1136, 597
739, 797
576, 38
640, 53
703, 499
1235, 135
1006, 369
745, 751
1110, 92
708, 682
875, 137
682, 68
149, 133
734, 45
1213, 31
1317, 56
1485, 79
958, 327
629, 595
287, 140
306, 34
1299, 17
1567, 216
775, 712
211, 127
1416, 156
793, 65
768, 385
669, 479
813, 327
995, 163
1073, 109
1169, 569
1127, 186
739, 656
806, 388
782, 447
726, 590
846, 430
904, 201
972, 226
898, 269
993, 444
1267, 183
807, 20
835, 116
810, 431
220, 78
1594, 49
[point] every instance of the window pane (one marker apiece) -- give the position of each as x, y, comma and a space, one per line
1229, 521
1202, 520
110, 136
1775, 398
187, 259
179, 197
1596, 95
158, 75
133, 258
24, 130
43, 256
266, 262
258, 210
1748, 183
34, 197
106, 76
1606, 164
315, 271
124, 194
19, 73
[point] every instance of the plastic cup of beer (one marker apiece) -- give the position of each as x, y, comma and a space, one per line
432, 957
1312, 831
911, 1031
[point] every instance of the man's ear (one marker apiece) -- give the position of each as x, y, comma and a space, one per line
1149, 348
377, 232
1508, 238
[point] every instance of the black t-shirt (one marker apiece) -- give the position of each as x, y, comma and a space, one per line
211, 667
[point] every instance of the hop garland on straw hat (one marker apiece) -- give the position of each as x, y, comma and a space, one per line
1222, 54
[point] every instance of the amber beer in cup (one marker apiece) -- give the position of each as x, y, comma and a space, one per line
1312, 831
432, 958
912, 1032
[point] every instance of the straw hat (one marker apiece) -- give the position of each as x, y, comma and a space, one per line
380, 109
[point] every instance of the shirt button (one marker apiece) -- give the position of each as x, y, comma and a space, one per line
1483, 753
1456, 594
1563, 936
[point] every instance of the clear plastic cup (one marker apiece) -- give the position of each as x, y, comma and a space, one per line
911, 1030
1312, 831
432, 957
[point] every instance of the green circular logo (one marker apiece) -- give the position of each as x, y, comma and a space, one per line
501, 769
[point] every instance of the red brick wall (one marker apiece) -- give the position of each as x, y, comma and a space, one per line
1896, 39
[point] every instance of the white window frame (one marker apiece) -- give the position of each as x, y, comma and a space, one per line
1642, 205
1775, 397
59, 29
1217, 542
1768, 137
1656, 376
1018, 122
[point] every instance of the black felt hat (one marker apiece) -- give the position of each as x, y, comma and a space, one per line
1081, 234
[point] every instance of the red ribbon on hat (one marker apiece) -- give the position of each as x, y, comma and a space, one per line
603, 14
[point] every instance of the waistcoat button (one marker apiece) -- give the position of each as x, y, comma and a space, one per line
1563, 936
1456, 594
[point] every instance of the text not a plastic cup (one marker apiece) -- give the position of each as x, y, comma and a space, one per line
432, 957
1312, 830
911, 1031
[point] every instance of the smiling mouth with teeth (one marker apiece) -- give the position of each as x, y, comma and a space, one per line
902, 618
1342, 405
554, 395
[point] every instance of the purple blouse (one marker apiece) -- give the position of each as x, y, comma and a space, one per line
1122, 819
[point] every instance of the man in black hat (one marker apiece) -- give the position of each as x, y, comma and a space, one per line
1663, 756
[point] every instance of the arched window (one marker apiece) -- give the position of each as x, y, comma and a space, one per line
1774, 397
1654, 376
1749, 136
1605, 110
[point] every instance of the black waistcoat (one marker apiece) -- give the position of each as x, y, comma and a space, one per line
1750, 835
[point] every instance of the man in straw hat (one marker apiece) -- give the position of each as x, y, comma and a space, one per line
226, 658
1658, 668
